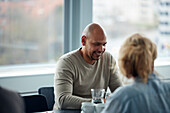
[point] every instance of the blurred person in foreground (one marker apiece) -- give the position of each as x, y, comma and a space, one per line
10, 101
147, 94
86, 68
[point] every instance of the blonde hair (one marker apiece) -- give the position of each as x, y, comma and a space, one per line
136, 57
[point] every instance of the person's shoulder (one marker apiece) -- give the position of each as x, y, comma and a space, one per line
6, 91
166, 85
106, 53
123, 89
12, 100
68, 56
108, 57
125, 92
68, 59
161, 84
7, 94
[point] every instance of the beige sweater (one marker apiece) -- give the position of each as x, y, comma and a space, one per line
74, 79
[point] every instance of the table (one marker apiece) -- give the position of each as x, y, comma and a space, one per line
63, 111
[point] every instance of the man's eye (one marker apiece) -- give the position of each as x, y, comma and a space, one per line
98, 44
104, 44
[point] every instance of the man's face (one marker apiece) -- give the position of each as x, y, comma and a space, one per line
95, 46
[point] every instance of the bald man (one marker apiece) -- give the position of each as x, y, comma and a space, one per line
86, 68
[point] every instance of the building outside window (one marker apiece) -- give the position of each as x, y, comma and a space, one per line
121, 18
164, 27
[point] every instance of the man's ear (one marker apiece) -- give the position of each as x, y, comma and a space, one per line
83, 40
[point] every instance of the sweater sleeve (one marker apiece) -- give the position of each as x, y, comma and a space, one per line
114, 81
63, 85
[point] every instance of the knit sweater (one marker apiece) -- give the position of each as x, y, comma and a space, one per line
74, 79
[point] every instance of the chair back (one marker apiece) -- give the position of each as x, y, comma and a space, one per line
48, 92
35, 103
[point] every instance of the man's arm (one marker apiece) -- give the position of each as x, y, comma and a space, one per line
63, 81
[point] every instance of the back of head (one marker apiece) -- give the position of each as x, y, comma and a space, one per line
136, 57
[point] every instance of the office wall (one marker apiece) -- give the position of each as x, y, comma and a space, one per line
27, 84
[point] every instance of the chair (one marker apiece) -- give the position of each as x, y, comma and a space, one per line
35, 103
48, 92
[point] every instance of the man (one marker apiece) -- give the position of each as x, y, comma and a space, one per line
10, 102
84, 69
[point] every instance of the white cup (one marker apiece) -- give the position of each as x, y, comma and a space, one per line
87, 107
99, 108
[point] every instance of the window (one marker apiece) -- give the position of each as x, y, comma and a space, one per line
31, 31
122, 18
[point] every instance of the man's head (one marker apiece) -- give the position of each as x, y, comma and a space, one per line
93, 42
136, 57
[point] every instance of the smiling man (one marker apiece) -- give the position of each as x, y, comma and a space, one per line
86, 68
94, 43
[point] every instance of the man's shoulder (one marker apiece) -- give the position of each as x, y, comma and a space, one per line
106, 53
69, 58
108, 57
69, 54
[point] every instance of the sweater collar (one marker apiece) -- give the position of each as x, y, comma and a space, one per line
84, 62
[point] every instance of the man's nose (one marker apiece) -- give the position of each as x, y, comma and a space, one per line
102, 48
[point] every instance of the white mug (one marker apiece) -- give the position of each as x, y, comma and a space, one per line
87, 107
99, 108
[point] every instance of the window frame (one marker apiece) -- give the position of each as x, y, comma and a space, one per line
76, 17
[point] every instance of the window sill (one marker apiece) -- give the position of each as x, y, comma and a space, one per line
44, 69
27, 70
162, 62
